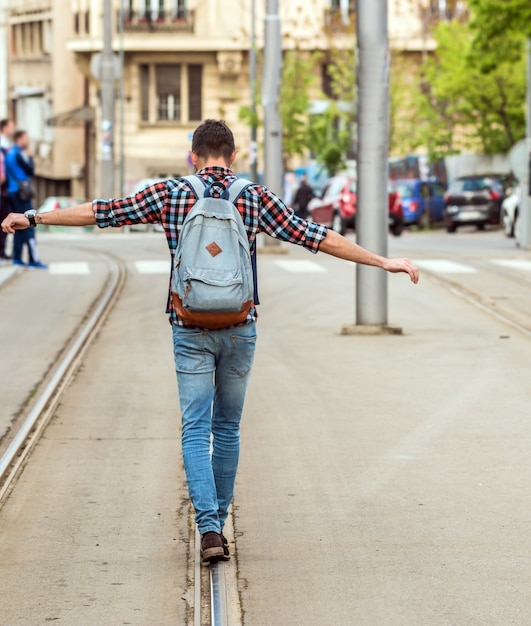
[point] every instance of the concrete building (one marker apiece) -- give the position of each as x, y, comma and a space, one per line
45, 86
184, 60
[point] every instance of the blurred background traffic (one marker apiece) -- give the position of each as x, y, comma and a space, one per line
457, 100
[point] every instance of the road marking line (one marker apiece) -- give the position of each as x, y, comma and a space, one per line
153, 267
443, 266
69, 269
514, 264
301, 267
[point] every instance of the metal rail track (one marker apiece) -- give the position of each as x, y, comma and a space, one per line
31, 429
476, 300
217, 590
28, 434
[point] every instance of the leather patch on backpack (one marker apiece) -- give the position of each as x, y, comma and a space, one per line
214, 249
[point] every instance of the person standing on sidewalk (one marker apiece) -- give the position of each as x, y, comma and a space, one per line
213, 366
7, 129
20, 168
302, 198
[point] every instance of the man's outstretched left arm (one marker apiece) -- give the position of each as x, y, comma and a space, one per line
80, 215
343, 248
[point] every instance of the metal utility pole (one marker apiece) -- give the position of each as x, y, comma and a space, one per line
253, 148
107, 105
121, 185
273, 174
525, 209
373, 148
270, 99
4, 97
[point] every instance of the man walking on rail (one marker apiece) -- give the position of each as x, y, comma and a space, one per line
213, 363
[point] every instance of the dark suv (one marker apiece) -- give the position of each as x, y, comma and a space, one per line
474, 201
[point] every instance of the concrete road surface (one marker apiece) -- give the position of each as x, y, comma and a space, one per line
383, 480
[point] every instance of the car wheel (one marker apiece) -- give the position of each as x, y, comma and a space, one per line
337, 224
451, 228
397, 228
481, 226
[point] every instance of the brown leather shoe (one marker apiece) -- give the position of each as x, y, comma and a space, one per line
212, 548
226, 551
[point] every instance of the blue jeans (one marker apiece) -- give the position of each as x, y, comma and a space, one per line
24, 237
213, 369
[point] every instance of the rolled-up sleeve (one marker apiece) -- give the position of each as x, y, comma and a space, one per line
144, 207
280, 222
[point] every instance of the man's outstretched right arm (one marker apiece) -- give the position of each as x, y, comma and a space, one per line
80, 215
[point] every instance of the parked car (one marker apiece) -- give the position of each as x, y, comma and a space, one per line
142, 184
474, 201
337, 203
419, 196
510, 209
53, 203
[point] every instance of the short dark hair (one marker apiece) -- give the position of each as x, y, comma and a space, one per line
18, 134
4, 123
213, 138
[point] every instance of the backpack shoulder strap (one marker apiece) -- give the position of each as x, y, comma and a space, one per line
236, 188
197, 184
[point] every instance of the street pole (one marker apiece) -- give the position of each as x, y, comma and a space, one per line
122, 98
273, 175
107, 105
273, 178
4, 96
373, 142
525, 209
253, 148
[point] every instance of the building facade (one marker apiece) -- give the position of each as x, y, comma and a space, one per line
183, 61
44, 86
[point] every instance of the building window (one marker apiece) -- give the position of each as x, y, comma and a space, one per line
144, 93
345, 6
179, 9
171, 93
168, 86
195, 99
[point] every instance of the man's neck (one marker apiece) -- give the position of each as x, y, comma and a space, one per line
214, 163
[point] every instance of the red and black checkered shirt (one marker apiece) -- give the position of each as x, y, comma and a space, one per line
169, 201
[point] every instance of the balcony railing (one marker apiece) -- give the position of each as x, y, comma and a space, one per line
158, 21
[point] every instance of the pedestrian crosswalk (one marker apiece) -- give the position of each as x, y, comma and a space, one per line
69, 269
300, 266
444, 266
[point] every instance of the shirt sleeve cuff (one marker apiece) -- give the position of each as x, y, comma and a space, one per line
102, 213
315, 234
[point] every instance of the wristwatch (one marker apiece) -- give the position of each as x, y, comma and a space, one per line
31, 217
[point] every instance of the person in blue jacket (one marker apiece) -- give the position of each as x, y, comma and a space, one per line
19, 169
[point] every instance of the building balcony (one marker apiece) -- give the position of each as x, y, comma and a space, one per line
157, 21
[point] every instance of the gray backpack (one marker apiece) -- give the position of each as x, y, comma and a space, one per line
212, 283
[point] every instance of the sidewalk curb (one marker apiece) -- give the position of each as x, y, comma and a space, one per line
8, 273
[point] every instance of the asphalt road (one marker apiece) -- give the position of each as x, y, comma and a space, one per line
383, 480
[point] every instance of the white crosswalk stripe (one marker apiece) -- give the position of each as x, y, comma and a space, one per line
444, 266
153, 267
514, 264
301, 267
79, 268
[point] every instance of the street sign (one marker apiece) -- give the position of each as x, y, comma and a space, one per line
96, 64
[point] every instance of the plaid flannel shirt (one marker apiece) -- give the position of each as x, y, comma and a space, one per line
168, 203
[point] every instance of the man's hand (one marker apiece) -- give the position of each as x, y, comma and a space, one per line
13, 222
397, 266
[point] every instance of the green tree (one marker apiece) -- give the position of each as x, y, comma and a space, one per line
298, 80
464, 102
330, 132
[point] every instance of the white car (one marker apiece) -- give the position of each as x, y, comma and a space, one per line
142, 184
